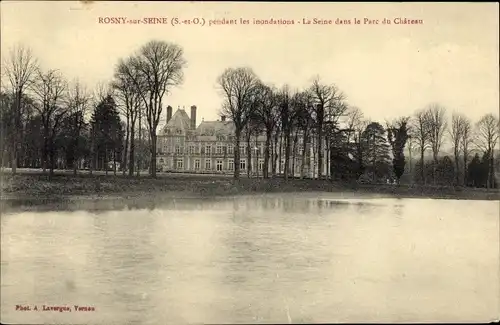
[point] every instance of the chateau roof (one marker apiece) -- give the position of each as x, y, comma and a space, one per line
179, 121
215, 127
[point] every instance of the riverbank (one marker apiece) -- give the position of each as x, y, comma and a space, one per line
37, 186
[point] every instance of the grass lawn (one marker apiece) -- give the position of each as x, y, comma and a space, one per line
36, 185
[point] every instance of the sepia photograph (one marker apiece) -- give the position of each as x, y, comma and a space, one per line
249, 162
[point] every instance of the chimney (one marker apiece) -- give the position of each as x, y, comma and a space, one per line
223, 118
193, 117
169, 113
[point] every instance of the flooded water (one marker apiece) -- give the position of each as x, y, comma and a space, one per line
290, 259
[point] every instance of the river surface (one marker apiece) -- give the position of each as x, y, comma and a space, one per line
254, 259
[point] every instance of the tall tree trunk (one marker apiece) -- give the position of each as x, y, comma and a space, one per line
280, 150
45, 152
76, 156
266, 154
52, 160
492, 170
249, 155
457, 168
132, 150
315, 155
125, 148
303, 156
320, 150
434, 167
237, 153
257, 155
15, 138
294, 153
422, 166
287, 154
327, 159
92, 151
153, 156
275, 153
139, 157
114, 162
106, 160
465, 167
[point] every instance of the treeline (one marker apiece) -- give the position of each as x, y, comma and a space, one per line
318, 119
48, 122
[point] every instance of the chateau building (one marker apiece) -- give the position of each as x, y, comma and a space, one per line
184, 146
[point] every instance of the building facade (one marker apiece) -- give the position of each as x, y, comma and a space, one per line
184, 146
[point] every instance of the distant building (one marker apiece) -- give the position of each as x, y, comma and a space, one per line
209, 148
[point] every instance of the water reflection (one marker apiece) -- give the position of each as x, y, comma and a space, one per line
303, 204
255, 259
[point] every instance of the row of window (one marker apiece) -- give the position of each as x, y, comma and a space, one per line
219, 164
219, 150
207, 150
193, 137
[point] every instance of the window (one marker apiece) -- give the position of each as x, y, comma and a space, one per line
219, 165
208, 164
178, 150
230, 164
230, 149
261, 164
220, 138
208, 150
197, 164
179, 131
161, 160
191, 150
242, 150
178, 140
243, 164
180, 164
219, 149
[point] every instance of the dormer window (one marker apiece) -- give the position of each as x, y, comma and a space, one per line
179, 131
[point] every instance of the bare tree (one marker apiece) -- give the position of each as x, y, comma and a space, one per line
267, 112
437, 127
466, 141
78, 104
353, 122
459, 125
487, 139
328, 106
304, 124
286, 115
50, 90
421, 136
129, 94
238, 86
102, 91
160, 66
20, 69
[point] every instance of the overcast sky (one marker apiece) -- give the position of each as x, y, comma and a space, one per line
386, 70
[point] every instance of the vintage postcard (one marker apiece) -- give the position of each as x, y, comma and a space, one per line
241, 162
